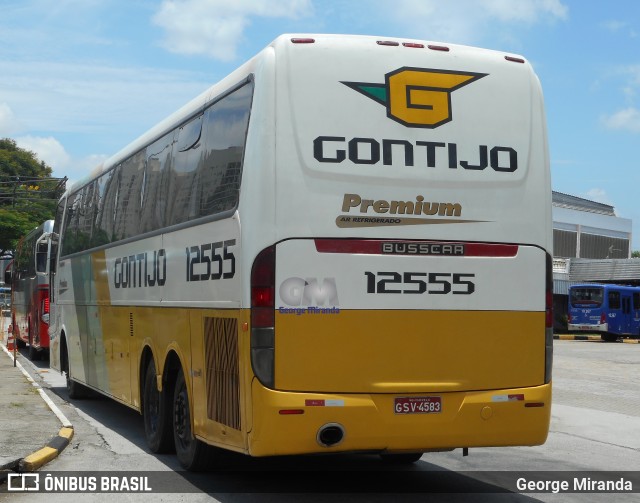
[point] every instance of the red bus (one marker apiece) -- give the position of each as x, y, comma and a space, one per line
29, 281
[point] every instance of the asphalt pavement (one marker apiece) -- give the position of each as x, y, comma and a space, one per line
33, 431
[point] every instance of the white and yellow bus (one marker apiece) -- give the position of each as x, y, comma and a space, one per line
344, 245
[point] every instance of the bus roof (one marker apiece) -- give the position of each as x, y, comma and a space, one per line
346, 43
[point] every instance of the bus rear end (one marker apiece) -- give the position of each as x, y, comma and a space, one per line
30, 282
401, 301
587, 311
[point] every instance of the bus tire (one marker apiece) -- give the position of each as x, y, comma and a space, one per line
191, 452
75, 390
405, 458
156, 412
609, 337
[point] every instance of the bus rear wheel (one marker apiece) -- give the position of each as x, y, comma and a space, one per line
156, 411
609, 337
191, 452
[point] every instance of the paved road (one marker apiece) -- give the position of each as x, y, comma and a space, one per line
595, 426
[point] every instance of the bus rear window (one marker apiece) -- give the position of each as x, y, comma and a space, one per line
586, 297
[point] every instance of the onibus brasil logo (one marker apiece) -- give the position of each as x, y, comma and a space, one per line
417, 97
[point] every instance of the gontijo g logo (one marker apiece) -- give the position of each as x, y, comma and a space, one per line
417, 97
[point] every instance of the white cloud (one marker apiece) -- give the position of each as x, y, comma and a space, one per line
466, 21
614, 26
9, 123
215, 27
528, 11
598, 195
86, 99
627, 119
48, 149
53, 153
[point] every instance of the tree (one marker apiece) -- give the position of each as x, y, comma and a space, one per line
635, 254
28, 193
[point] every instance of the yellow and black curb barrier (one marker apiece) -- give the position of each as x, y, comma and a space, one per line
572, 337
53, 448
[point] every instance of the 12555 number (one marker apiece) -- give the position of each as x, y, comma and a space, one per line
434, 283
210, 263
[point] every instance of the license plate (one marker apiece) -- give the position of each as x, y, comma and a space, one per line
417, 404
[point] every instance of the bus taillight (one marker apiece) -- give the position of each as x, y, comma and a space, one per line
603, 318
44, 309
263, 278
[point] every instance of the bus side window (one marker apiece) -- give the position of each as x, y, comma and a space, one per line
129, 193
155, 187
41, 257
184, 179
614, 300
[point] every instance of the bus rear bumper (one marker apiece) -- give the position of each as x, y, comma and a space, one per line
290, 423
584, 327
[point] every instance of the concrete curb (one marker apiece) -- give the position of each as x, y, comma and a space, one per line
569, 337
56, 445
53, 448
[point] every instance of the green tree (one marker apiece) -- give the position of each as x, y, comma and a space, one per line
28, 193
635, 254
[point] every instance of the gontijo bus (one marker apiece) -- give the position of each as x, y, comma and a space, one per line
344, 245
29, 279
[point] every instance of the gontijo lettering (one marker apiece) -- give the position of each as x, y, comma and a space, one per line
140, 270
432, 154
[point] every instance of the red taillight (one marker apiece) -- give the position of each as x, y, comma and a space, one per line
443, 48
569, 317
413, 45
603, 319
303, 40
263, 276
45, 305
262, 296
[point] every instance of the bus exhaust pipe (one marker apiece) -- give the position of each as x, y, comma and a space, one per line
330, 434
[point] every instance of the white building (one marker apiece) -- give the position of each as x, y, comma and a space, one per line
590, 244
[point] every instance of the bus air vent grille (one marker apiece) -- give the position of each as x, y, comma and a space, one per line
222, 377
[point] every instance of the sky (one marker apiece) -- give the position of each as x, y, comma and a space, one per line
80, 79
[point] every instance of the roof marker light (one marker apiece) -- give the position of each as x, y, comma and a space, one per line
443, 48
303, 40
514, 60
387, 42
413, 44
